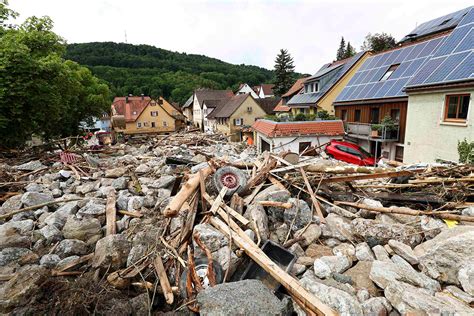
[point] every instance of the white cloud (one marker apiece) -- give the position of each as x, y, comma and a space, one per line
250, 32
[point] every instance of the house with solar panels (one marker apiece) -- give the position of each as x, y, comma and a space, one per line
375, 102
440, 109
320, 90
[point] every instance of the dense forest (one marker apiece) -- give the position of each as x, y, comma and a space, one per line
138, 69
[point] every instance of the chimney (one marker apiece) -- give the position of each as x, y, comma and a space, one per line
143, 97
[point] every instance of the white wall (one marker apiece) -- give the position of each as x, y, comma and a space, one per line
247, 89
197, 112
279, 144
427, 136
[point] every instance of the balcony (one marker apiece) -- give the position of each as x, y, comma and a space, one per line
373, 132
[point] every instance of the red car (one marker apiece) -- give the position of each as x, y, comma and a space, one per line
349, 152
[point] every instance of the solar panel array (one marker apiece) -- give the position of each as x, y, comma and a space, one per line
454, 60
366, 84
436, 25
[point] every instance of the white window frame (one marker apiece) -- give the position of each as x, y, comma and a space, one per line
154, 113
139, 124
238, 122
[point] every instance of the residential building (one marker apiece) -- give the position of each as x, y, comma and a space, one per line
321, 89
199, 110
236, 116
245, 88
295, 136
98, 124
187, 109
264, 90
376, 93
282, 109
142, 114
440, 108
268, 104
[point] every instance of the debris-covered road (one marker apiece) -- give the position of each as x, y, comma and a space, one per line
191, 223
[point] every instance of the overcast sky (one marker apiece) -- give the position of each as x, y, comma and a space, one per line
249, 32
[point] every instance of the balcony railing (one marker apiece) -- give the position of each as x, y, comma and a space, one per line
377, 132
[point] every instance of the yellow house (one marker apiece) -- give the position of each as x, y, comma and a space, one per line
141, 114
236, 116
320, 90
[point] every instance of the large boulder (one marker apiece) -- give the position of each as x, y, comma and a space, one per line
443, 256
23, 288
466, 278
111, 252
16, 233
85, 229
337, 227
246, 297
300, 214
36, 198
407, 299
211, 237
256, 213
378, 233
384, 273
13, 203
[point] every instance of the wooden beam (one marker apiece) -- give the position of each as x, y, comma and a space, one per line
369, 176
164, 282
285, 205
110, 214
313, 197
223, 208
442, 180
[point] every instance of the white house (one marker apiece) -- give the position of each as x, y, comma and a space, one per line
245, 88
265, 90
295, 136
202, 96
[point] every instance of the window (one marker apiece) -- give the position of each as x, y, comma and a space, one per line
152, 103
145, 124
160, 101
303, 146
399, 153
238, 122
389, 72
139, 124
344, 115
249, 109
316, 86
374, 115
309, 88
154, 113
395, 114
349, 150
165, 123
153, 124
357, 116
456, 107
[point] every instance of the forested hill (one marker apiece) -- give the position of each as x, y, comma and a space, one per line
154, 71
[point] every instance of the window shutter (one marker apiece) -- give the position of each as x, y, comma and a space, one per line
235, 121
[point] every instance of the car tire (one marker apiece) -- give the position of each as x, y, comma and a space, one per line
201, 269
330, 156
233, 178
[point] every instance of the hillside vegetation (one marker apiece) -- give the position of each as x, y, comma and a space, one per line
154, 71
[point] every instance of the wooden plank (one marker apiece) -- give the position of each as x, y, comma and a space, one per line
390, 174
442, 180
260, 177
231, 211
164, 282
110, 214
274, 181
305, 298
284, 205
202, 187
313, 197
217, 202
252, 195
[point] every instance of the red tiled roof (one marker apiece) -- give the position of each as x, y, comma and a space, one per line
295, 88
281, 108
281, 129
132, 109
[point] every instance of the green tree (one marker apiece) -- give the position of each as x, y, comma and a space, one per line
378, 42
341, 51
284, 70
350, 51
41, 93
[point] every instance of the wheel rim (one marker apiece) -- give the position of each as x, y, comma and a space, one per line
229, 180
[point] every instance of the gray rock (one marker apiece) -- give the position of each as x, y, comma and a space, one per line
384, 273
407, 299
297, 250
468, 211
116, 172
340, 301
23, 288
163, 182
297, 269
377, 233
376, 306
70, 247
13, 203
87, 187
56, 193
16, 234
363, 252
34, 187
137, 252
380, 253
59, 217
403, 251
362, 295
66, 261
256, 213
275, 194
30, 166
14, 254
49, 261
466, 278
337, 227
211, 237
301, 211
459, 294
345, 250
111, 252
310, 234
400, 261
36, 198
360, 277
122, 199
85, 229
431, 226
120, 183
51, 233
135, 203
222, 257
92, 208
142, 168
246, 297
443, 256
325, 267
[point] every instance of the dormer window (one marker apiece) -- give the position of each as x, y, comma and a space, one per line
389, 72
311, 87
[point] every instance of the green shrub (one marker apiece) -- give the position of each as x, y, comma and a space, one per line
466, 151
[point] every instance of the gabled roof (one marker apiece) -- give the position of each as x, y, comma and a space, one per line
281, 108
268, 104
189, 102
211, 104
439, 24
453, 61
307, 128
208, 94
295, 88
328, 76
225, 109
366, 83
131, 109
267, 88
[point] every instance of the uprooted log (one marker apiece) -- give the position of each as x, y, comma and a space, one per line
408, 211
185, 192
